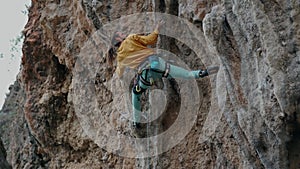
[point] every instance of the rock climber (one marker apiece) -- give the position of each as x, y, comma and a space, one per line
132, 51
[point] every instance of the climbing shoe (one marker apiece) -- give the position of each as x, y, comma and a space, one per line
203, 73
209, 71
136, 125
138, 130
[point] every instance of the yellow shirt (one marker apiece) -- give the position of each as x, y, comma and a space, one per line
133, 51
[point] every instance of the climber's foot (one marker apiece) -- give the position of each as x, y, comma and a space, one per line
203, 73
136, 125
138, 130
209, 71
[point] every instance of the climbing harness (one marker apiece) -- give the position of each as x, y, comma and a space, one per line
145, 67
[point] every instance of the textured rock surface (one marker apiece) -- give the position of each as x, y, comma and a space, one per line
249, 114
3, 162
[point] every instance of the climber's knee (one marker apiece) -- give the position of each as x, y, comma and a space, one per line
155, 65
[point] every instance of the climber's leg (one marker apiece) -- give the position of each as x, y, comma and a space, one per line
136, 104
171, 71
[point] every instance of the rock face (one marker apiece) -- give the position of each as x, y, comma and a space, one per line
3, 163
248, 114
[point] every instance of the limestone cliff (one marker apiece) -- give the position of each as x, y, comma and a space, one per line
247, 115
3, 162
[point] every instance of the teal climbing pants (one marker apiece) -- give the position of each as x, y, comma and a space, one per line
155, 69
